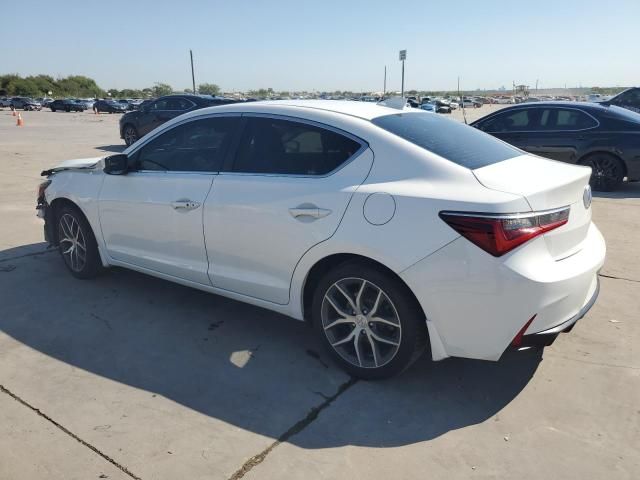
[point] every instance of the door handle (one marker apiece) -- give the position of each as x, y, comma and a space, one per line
185, 205
309, 212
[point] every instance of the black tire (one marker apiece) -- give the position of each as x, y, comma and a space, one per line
607, 171
398, 306
68, 109
68, 220
130, 134
53, 109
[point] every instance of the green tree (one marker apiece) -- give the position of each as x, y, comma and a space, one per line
160, 89
208, 89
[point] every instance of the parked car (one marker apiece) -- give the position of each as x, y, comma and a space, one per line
25, 103
87, 102
441, 107
629, 99
67, 105
5, 102
449, 239
469, 103
605, 138
44, 101
148, 116
428, 107
504, 100
109, 106
453, 105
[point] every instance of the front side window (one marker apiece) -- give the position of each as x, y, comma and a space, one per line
291, 148
518, 121
159, 105
454, 141
197, 146
178, 103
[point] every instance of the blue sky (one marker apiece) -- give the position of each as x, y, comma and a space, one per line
325, 45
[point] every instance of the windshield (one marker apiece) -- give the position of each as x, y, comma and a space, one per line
452, 140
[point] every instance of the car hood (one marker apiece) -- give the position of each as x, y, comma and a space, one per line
78, 164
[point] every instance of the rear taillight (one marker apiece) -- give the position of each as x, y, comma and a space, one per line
498, 234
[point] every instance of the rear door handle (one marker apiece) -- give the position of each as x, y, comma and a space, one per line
309, 212
185, 205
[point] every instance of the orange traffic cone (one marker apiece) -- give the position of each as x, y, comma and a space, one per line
13, 111
20, 122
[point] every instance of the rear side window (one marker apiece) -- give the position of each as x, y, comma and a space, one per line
284, 147
573, 120
449, 139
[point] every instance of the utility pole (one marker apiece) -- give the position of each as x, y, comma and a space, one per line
403, 57
193, 76
384, 90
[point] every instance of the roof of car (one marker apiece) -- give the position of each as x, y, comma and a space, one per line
364, 110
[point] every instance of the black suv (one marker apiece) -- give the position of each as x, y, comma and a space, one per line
67, 106
629, 99
154, 113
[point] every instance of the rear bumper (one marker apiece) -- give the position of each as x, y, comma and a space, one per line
547, 337
476, 304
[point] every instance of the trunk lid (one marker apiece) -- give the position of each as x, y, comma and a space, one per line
546, 184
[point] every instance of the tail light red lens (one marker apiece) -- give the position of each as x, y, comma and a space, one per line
501, 233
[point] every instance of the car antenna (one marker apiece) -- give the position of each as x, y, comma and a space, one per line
464, 115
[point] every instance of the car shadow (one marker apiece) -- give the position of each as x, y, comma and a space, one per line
627, 190
112, 148
247, 366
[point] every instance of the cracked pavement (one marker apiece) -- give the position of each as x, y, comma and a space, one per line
132, 377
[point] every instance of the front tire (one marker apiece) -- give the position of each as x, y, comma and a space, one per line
607, 171
369, 321
77, 244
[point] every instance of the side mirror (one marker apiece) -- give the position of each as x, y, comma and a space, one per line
116, 164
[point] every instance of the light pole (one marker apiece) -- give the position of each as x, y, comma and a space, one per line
384, 89
403, 57
193, 77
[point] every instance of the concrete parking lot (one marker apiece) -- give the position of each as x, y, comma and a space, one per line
128, 376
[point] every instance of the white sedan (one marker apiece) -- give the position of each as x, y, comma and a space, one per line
392, 231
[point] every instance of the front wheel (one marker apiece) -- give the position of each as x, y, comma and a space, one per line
607, 172
77, 244
369, 321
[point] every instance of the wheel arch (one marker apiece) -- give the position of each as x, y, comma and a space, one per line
59, 202
323, 265
585, 156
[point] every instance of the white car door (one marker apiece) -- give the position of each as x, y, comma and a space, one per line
287, 190
151, 217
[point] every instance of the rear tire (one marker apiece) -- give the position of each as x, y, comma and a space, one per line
77, 244
369, 321
607, 171
130, 134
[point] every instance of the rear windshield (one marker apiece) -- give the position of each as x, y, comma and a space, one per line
452, 140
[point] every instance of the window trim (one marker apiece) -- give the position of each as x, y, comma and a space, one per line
185, 110
227, 168
230, 150
541, 107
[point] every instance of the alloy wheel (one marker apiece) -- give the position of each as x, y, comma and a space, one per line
72, 241
604, 175
130, 136
361, 323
